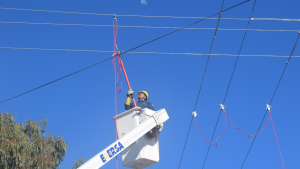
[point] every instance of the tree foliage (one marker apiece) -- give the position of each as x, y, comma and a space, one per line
24, 146
78, 163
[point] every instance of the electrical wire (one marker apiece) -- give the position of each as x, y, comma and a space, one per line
122, 53
148, 16
229, 82
159, 53
149, 27
54, 81
272, 98
212, 43
185, 26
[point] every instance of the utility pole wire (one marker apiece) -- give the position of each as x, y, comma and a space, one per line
122, 53
55, 80
287, 63
212, 44
149, 27
148, 16
159, 53
230, 82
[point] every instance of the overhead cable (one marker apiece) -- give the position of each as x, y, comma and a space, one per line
149, 27
148, 16
54, 80
159, 53
212, 43
125, 51
229, 82
287, 63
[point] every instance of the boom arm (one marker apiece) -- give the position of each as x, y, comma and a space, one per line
118, 146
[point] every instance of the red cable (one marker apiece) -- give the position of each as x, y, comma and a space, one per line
218, 136
277, 141
113, 58
249, 136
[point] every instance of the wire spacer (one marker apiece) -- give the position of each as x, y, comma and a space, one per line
194, 114
115, 17
222, 106
268, 107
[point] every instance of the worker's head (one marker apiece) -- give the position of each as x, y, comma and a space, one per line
143, 95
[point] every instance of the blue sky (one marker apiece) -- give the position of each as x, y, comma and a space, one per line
80, 108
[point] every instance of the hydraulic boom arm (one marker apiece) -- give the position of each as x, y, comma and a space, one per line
118, 146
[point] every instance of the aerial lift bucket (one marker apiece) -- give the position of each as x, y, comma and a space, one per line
145, 151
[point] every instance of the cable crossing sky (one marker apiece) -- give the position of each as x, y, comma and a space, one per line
212, 44
149, 27
287, 63
122, 52
229, 82
158, 53
147, 16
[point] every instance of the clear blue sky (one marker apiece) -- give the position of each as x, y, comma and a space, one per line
80, 108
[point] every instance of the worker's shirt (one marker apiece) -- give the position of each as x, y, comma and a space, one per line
142, 104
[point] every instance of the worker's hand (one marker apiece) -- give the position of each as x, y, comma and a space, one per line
130, 93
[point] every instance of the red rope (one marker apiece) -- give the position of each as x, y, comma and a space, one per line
117, 87
277, 141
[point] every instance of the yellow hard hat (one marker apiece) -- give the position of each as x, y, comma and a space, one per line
144, 93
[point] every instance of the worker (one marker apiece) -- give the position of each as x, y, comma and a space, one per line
142, 103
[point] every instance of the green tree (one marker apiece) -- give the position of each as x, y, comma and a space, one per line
78, 163
24, 146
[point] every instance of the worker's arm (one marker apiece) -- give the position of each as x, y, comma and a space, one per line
150, 106
128, 99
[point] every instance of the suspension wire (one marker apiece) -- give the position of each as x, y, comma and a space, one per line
55, 80
148, 16
229, 83
150, 27
123, 52
214, 37
272, 98
211, 46
185, 26
159, 53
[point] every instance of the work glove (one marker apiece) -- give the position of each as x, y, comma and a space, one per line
130, 93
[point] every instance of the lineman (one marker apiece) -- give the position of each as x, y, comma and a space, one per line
142, 103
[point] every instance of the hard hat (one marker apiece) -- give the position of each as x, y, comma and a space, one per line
144, 93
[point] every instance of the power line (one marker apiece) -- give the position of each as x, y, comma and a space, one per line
186, 26
149, 27
148, 16
212, 43
159, 53
230, 81
55, 80
124, 52
272, 97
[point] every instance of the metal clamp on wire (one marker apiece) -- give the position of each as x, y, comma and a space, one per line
194, 114
269, 107
222, 106
120, 52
